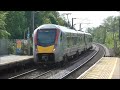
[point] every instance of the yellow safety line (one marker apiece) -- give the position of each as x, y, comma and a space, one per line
113, 69
90, 68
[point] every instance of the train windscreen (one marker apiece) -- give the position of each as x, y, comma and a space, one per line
46, 37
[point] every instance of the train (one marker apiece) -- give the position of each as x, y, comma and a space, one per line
54, 43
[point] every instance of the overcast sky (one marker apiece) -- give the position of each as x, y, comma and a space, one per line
93, 17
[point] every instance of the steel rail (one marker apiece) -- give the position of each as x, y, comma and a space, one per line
41, 74
22, 74
72, 71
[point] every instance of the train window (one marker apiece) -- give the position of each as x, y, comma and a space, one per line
75, 40
46, 37
61, 36
71, 42
68, 41
80, 39
87, 38
90, 39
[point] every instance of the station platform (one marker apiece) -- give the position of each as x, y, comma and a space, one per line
105, 68
7, 61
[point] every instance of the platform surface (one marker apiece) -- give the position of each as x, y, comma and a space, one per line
9, 59
105, 68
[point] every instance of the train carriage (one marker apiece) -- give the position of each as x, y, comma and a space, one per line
88, 40
53, 43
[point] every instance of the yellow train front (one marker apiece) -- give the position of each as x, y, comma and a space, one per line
54, 43
45, 44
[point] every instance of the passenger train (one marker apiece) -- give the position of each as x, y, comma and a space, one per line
54, 43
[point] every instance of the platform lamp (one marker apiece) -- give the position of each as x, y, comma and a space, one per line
72, 22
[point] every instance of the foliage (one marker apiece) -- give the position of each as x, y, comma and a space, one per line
11, 47
3, 32
15, 24
107, 33
18, 22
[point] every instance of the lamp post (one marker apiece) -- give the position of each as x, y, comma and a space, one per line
32, 30
119, 25
80, 28
28, 39
33, 19
67, 17
33, 16
72, 22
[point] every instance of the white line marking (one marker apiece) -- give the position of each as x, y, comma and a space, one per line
113, 69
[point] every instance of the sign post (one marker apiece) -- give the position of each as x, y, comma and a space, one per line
28, 38
19, 44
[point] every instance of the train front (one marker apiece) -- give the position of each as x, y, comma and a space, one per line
45, 43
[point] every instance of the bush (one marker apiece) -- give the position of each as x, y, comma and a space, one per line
117, 52
11, 48
25, 47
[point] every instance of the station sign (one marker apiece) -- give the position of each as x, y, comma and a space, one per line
18, 46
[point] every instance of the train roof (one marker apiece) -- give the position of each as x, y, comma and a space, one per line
62, 28
87, 33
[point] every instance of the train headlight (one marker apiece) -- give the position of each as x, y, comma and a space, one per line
36, 50
53, 49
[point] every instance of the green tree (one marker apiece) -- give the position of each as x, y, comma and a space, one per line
107, 33
3, 32
16, 24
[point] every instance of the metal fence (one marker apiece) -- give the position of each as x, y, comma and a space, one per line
14, 46
3, 46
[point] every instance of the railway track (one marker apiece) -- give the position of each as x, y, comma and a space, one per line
22, 74
87, 64
68, 72
41, 74
60, 73
32, 74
